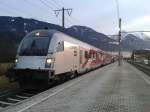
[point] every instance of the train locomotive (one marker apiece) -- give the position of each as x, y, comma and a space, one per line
48, 55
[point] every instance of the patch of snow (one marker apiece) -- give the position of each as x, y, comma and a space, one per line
138, 35
12, 20
114, 43
141, 36
25, 24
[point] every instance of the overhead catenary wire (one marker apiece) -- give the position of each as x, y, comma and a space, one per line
40, 12
57, 6
13, 8
52, 3
44, 3
56, 3
15, 11
72, 19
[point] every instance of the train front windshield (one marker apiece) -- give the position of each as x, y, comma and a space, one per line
34, 46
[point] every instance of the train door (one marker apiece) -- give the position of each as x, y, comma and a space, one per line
81, 59
76, 58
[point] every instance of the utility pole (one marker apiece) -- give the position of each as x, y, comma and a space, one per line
69, 11
63, 17
119, 43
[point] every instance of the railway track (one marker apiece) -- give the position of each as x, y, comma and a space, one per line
142, 67
10, 98
19, 96
14, 98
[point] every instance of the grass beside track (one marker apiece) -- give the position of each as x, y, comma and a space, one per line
4, 67
4, 83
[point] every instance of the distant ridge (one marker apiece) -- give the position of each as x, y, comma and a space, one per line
13, 29
134, 41
20, 26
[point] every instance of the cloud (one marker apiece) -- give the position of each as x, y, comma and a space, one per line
141, 23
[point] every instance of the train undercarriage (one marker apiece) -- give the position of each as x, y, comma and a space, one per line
37, 78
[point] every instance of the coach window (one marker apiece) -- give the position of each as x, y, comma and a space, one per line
97, 56
89, 54
94, 56
103, 56
86, 54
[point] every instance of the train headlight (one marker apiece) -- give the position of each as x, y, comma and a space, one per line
48, 63
37, 33
16, 60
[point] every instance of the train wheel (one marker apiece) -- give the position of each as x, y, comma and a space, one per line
73, 74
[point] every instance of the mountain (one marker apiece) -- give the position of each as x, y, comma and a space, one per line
16, 27
132, 41
92, 37
13, 29
23, 25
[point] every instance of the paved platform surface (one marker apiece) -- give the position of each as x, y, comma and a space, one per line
108, 89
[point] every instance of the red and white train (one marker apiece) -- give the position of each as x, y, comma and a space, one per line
49, 54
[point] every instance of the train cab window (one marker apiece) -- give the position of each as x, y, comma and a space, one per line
35, 46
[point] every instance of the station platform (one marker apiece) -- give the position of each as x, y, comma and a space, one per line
107, 89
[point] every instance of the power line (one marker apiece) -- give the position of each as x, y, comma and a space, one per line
35, 5
53, 3
73, 18
43, 2
31, 4
69, 11
14, 9
136, 31
57, 3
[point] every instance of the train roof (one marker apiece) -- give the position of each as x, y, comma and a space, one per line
50, 32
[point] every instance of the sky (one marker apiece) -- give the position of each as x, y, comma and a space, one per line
101, 15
